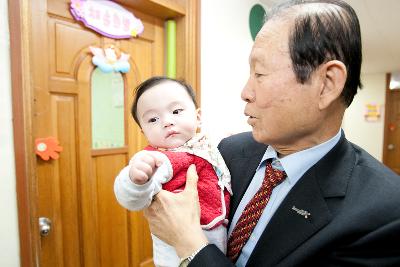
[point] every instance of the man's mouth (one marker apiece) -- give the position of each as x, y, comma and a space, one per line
250, 116
251, 120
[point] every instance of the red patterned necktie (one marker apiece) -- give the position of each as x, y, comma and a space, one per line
252, 212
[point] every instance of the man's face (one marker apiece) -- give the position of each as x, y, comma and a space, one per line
167, 115
282, 112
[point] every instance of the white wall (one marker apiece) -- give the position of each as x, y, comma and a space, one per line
368, 135
9, 241
225, 47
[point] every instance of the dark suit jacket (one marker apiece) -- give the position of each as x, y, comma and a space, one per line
354, 203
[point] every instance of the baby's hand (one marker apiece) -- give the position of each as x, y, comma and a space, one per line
143, 165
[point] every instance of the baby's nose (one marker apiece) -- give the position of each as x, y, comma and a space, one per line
168, 121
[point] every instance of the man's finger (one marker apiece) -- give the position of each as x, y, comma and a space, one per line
191, 178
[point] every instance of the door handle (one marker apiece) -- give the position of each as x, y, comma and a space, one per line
390, 146
44, 226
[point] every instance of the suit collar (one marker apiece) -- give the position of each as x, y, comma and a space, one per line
333, 171
245, 165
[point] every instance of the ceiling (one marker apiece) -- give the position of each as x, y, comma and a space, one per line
380, 32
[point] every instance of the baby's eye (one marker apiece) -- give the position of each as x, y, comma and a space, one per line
152, 120
177, 111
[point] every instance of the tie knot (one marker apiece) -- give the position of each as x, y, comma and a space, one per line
274, 172
276, 164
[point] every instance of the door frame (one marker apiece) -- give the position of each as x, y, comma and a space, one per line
187, 16
386, 120
386, 131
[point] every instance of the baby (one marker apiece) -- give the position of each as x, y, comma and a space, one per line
167, 113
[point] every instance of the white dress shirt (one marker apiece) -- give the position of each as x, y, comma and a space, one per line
295, 165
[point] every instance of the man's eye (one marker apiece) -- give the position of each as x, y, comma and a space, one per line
258, 75
177, 111
152, 120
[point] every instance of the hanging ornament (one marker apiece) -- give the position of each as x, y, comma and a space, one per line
47, 148
110, 59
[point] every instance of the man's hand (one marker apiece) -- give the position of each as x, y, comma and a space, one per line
143, 165
175, 218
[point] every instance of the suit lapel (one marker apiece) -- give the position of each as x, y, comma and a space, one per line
289, 228
243, 170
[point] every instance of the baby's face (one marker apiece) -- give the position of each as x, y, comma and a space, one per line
167, 115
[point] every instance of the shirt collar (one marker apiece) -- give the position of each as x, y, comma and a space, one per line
296, 164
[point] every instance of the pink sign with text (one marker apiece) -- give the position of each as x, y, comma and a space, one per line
107, 18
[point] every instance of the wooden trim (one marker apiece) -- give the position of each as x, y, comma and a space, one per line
163, 9
386, 122
109, 151
198, 50
20, 81
188, 34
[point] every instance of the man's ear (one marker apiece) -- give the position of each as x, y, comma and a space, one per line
334, 75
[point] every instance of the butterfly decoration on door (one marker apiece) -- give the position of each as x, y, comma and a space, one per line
110, 59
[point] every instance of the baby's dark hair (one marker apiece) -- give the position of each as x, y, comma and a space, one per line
150, 83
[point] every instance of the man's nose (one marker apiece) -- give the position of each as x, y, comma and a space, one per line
248, 94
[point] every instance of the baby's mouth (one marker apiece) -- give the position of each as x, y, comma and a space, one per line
171, 133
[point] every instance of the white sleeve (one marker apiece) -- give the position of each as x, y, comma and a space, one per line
136, 197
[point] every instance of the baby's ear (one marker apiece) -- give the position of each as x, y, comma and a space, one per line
198, 112
198, 115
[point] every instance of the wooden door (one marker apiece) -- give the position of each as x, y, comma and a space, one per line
391, 144
75, 192
51, 79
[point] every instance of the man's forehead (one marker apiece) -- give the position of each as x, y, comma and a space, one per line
270, 39
274, 27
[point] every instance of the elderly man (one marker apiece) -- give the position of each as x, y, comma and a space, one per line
303, 194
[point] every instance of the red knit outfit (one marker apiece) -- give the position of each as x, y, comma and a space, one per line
209, 190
